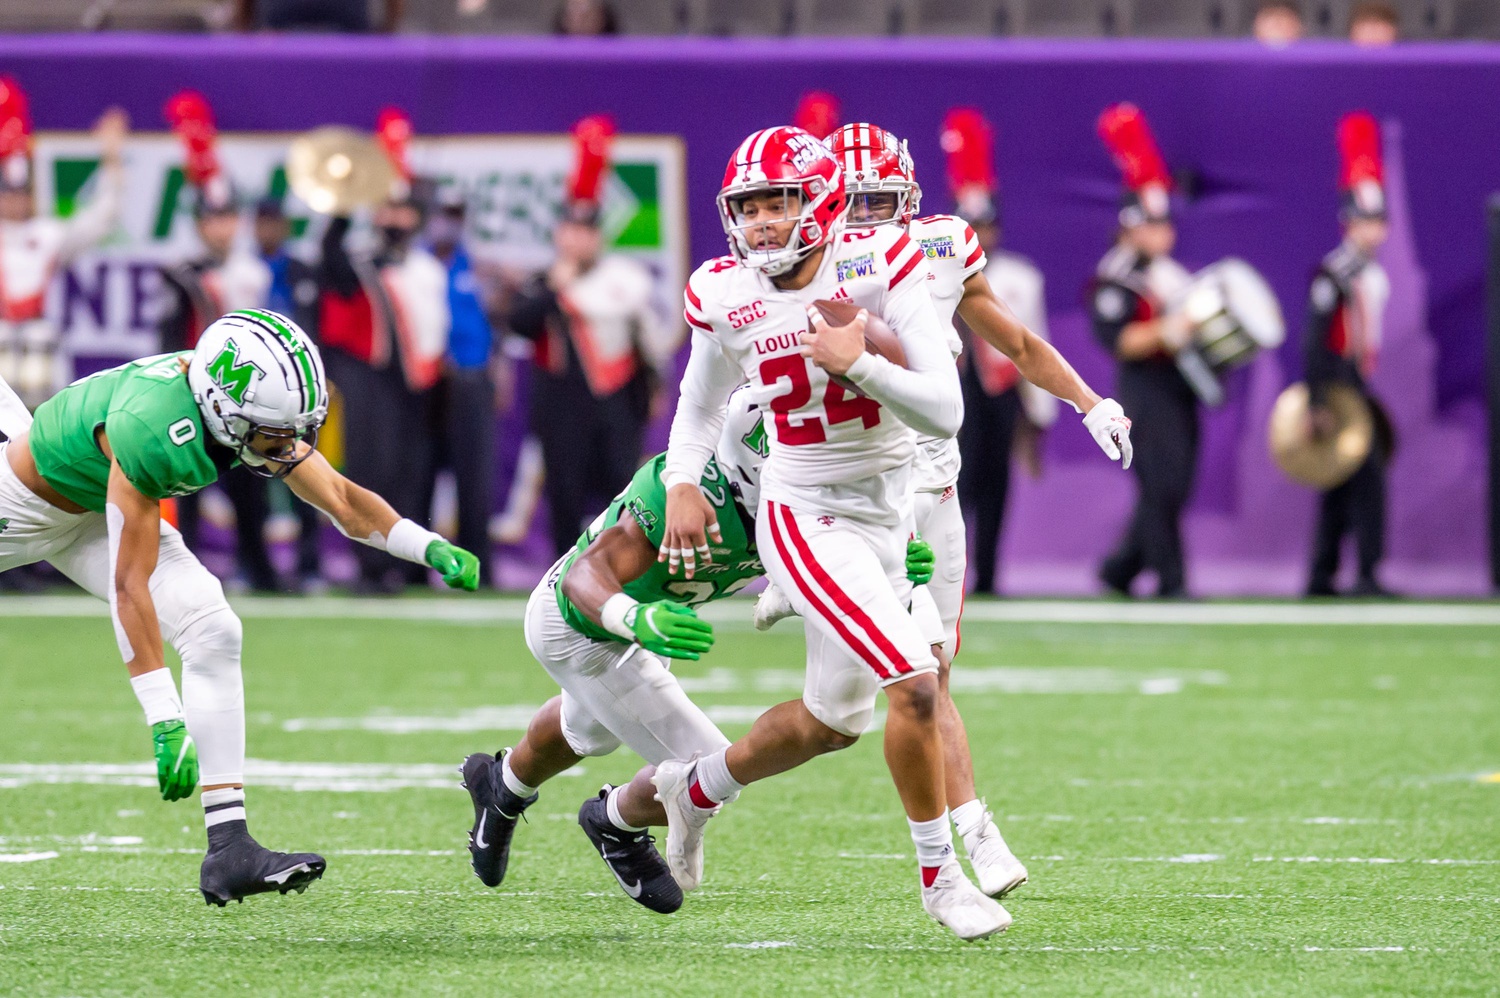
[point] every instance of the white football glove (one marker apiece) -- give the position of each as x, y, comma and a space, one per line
1111, 430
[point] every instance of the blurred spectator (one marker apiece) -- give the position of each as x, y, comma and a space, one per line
1005, 413
586, 17
219, 278
467, 416
383, 322
1374, 25
314, 15
599, 349
294, 293
1278, 22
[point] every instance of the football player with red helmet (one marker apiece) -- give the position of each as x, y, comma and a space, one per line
835, 507
881, 186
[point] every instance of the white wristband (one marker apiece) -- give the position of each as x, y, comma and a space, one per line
409, 541
612, 615
676, 478
158, 695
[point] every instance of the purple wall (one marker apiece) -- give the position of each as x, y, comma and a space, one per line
1255, 125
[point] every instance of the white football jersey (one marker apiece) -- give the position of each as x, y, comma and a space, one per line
953, 256
832, 450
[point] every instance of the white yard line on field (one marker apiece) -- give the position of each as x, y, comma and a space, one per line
510, 610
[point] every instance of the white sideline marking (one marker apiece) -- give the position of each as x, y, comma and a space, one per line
465, 610
765, 944
505, 717
26, 857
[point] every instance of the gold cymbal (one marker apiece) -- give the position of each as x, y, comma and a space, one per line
336, 169
1326, 462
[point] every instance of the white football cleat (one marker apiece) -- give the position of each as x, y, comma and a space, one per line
771, 607
685, 822
954, 901
995, 866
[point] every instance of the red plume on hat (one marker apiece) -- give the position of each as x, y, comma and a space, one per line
817, 114
592, 138
15, 135
1124, 130
193, 121
1361, 167
1132, 146
393, 131
969, 141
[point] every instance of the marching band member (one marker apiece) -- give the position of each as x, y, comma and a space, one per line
601, 350
32, 248
1132, 287
1345, 305
384, 319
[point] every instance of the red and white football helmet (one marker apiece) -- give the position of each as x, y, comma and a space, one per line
790, 161
876, 162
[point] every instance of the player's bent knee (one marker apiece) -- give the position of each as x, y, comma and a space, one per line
211, 641
915, 697
842, 722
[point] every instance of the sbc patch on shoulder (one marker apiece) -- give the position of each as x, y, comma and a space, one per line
859, 266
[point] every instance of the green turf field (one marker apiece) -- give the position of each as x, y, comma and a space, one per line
1214, 809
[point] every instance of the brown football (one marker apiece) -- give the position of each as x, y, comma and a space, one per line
880, 338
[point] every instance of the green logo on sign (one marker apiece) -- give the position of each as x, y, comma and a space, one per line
232, 376
4, 525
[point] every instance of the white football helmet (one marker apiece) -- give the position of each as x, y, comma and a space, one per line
744, 445
259, 383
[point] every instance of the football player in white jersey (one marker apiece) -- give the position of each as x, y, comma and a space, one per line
836, 490
882, 189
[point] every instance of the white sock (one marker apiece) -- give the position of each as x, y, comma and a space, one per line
714, 779
969, 818
220, 806
934, 842
612, 808
512, 781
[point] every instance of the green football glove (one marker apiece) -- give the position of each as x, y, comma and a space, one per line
459, 568
670, 629
176, 759
920, 561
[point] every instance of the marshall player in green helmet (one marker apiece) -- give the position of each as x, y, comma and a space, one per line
604, 622
81, 487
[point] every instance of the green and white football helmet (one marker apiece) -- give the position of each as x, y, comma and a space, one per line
259, 383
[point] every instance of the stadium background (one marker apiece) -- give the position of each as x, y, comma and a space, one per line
1248, 128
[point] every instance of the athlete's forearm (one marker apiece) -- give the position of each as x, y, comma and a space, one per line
706, 384
1038, 361
618, 556
134, 529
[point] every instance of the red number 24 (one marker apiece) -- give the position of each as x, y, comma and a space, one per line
841, 405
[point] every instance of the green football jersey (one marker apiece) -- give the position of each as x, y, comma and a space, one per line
736, 563
153, 425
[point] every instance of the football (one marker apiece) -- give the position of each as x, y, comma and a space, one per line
880, 338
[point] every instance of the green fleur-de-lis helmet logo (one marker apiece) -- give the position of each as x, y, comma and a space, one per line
233, 377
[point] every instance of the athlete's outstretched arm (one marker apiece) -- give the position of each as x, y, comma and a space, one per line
363, 516
595, 584
1038, 361
133, 520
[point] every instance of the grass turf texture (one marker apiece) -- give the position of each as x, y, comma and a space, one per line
1178, 843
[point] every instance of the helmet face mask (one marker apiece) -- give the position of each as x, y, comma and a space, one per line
791, 166
877, 166
259, 385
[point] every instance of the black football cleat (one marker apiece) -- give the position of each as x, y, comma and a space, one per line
631, 857
496, 811
237, 866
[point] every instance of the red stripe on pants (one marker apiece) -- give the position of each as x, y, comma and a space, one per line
854, 643
841, 598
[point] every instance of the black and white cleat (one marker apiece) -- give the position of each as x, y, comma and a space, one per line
496, 811
631, 856
237, 867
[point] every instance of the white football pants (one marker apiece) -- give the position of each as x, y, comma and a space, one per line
614, 693
190, 606
848, 581
940, 521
